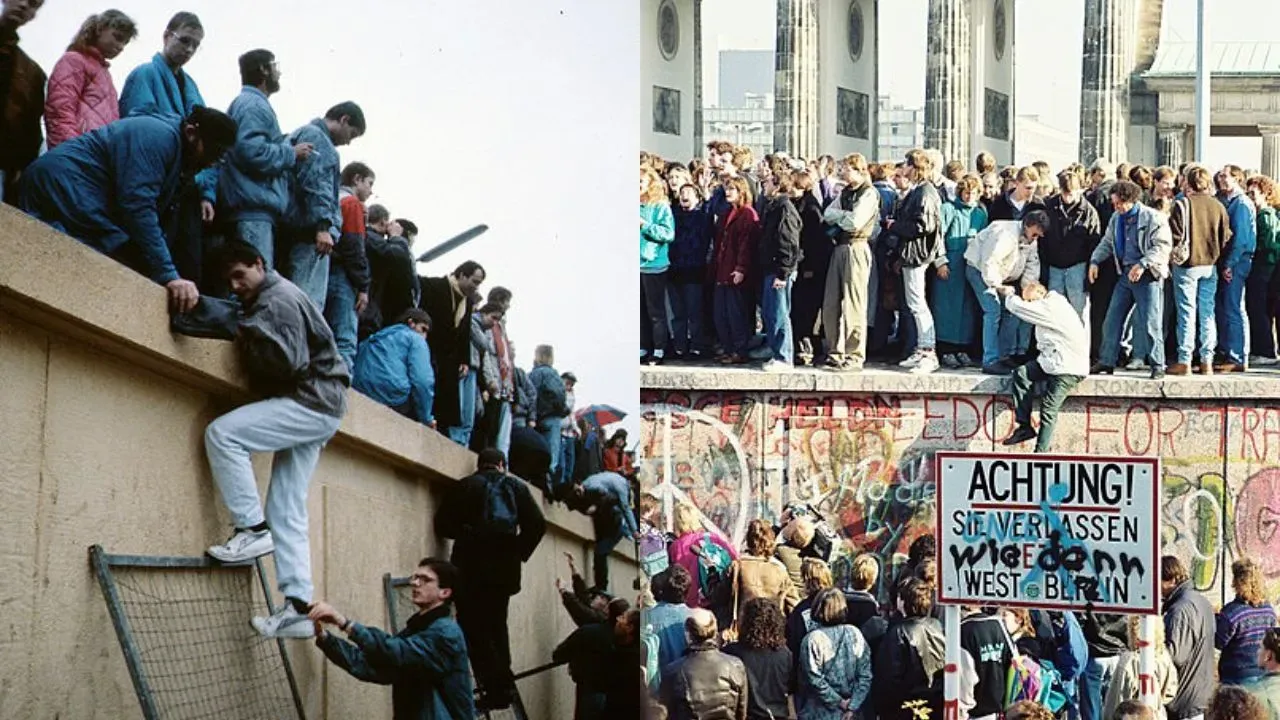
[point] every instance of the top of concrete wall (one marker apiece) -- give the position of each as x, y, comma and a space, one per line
1256, 384
67, 288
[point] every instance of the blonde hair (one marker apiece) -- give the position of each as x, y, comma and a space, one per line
93, 26
816, 575
545, 355
687, 519
801, 532
864, 572
739, 183
657, 190
1246, 580
972, 183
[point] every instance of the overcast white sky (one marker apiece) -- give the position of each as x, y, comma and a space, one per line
483, 111
1049, 46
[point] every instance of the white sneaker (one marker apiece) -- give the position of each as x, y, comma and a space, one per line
1262, 361
928, 363
777, 366
244, 545
285, 623
912, 361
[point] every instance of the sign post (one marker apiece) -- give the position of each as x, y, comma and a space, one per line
1049, 532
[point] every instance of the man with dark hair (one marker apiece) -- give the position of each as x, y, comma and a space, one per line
1005, 254
1138, 242
496, 525
1189, 636
314, 219
290, 360
1200, 232
912, 653
21, 98
913, 245
665, 620
425, 664
1019, 201
348, 290
393, 283
589, 653
1072, 234
107, 188
253, 185
394, 367
448, 301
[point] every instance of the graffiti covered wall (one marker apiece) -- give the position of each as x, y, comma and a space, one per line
864, 460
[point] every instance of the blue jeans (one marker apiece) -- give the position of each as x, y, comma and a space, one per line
261, 235
1093, 686
340, 313
1194, 292
1148, 295
1232, 324
1001, 331
1070, 283
775, 310
686, 315
568, 455
309, 270
296, 435
603, 547
461, 433
549, 429
504, 429
731, 318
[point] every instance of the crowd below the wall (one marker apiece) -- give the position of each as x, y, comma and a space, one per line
834, 263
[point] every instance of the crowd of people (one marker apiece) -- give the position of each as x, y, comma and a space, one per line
832, 262
761, 633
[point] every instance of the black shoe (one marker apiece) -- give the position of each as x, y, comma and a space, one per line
653, 360
1157, 373
997, 368
1021, 434
1100, 369
1017, 359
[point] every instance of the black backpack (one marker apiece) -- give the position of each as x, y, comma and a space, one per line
500, 516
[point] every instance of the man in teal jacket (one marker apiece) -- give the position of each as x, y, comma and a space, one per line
393, 367
107, 188
425, 664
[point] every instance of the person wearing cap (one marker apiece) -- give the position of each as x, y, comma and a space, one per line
106, 189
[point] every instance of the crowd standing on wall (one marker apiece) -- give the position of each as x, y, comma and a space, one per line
761, 632
833, 263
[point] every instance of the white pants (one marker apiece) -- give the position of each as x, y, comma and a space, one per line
296, 435
913, 295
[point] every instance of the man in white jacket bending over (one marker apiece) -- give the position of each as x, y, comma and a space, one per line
1063, 361
1006, 252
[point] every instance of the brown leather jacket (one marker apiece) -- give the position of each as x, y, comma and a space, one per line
705, 685
753, 577
21, 107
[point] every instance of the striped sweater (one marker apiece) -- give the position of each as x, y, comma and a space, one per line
1240, 628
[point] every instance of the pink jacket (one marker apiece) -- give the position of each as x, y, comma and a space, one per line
681, 553
81, 96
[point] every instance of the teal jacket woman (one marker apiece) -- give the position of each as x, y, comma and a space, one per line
656, 233
955, 309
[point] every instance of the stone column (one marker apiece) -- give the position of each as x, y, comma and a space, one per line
1170, 145
795, 110
1270, 150
948, 78
1110, 52
698, 150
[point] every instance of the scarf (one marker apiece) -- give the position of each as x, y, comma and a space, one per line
504, 358
459, 302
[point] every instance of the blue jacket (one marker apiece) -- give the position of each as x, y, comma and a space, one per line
394, 365
694, 231
551, 400
106, 188
313, 205
425, 664
656, 234
254, 183
1244, 230
616, 488
152, 89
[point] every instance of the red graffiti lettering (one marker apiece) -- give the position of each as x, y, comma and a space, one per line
1250, 419
955, 412
1129, 438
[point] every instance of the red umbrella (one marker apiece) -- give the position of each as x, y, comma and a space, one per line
600, 415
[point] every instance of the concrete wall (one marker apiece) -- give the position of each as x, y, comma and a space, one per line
656, 71
991, 73
859, 447
102, 412
837, 69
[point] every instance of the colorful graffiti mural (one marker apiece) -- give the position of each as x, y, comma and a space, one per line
865, 462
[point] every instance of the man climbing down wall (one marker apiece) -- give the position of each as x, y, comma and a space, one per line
291, 361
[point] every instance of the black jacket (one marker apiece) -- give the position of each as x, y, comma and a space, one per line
1189, 631
984, 638
917, 226
1106, 634
692, 245
705, 684
1072, 235
912, 653
1100, 199
1002, 209
779, 251
489, 561
815, 244
767, 672
393, 284
588, 651
450, 346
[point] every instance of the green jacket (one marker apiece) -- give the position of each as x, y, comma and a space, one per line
1268, 252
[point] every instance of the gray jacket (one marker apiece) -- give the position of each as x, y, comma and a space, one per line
288, 350
484, 357
1188, 632
1154, 239
524, 410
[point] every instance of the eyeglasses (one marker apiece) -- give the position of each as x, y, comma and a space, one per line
419, 579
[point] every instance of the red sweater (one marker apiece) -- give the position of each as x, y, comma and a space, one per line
736, 238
